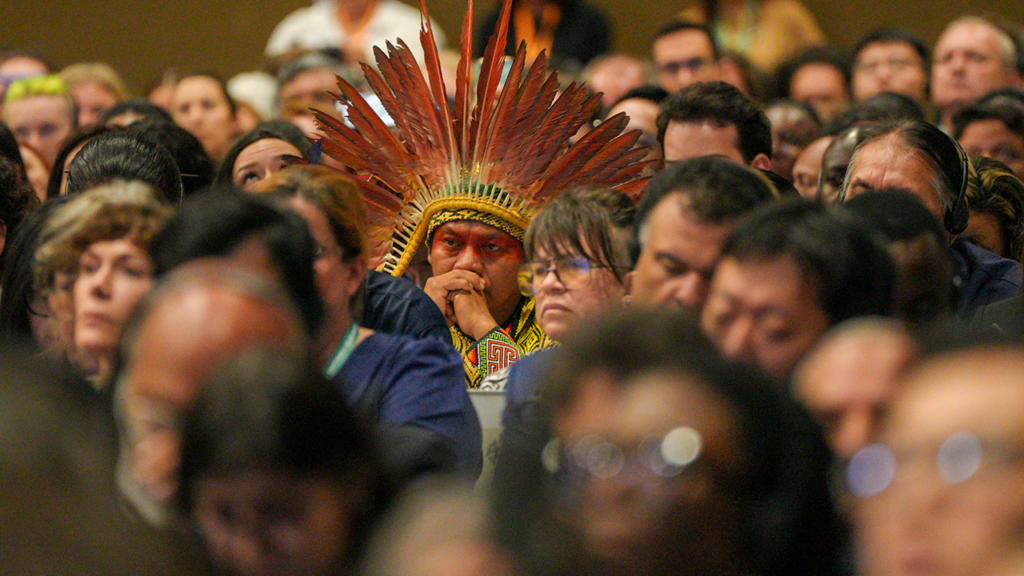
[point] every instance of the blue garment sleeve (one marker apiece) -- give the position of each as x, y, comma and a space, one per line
427, 388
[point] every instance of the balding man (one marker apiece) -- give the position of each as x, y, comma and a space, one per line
972, 57
847, 376
195, 320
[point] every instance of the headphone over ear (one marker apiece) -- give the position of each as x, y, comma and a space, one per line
955, 218
955, 166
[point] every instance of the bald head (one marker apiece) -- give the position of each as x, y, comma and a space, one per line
197, 319
846, 378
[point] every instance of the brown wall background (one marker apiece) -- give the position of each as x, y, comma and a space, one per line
141, 39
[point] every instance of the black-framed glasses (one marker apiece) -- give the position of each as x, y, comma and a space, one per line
570, 272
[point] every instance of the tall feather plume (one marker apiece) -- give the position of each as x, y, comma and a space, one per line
491, 67
432, 63
507, 152
461, 117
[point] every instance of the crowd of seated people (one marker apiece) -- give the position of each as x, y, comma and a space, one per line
750, 304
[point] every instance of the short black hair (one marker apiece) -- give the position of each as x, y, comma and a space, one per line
890, 35
217, 221
853, 273
803, 107
817, 55
1008, 95
138, 106
1010, 115
649, 92
715, 190
126, 156
194, 163
678, 25
724, 105
884, 107
276, 129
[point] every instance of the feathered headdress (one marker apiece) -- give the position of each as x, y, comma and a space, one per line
503, 157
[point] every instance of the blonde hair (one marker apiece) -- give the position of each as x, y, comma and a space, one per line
994, 189
113, 211
98, 72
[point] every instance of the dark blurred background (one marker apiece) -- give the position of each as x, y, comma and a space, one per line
141, 39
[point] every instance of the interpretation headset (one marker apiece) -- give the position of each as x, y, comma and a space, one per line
951, 160
955, 219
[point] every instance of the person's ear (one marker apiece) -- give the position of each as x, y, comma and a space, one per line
627, 284
761, 161
355, 272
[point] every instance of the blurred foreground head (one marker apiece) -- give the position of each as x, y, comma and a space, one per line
942, 488
664, 458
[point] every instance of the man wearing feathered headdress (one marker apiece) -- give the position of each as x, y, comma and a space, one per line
467, 179
475, 256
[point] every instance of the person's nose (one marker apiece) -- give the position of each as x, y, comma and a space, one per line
689, 290
101, 282
192, 117
550, 282
35, 140
958, 64
919, 494
884, 74
736, 341
685, 77
249, 548
852, 432
468, 259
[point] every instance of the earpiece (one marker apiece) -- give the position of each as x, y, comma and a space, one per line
955, 218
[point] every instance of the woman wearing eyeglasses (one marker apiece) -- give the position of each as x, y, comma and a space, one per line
577, 255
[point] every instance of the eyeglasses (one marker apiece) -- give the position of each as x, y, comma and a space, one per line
595, 457
959, 458
896, 65
570, 272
